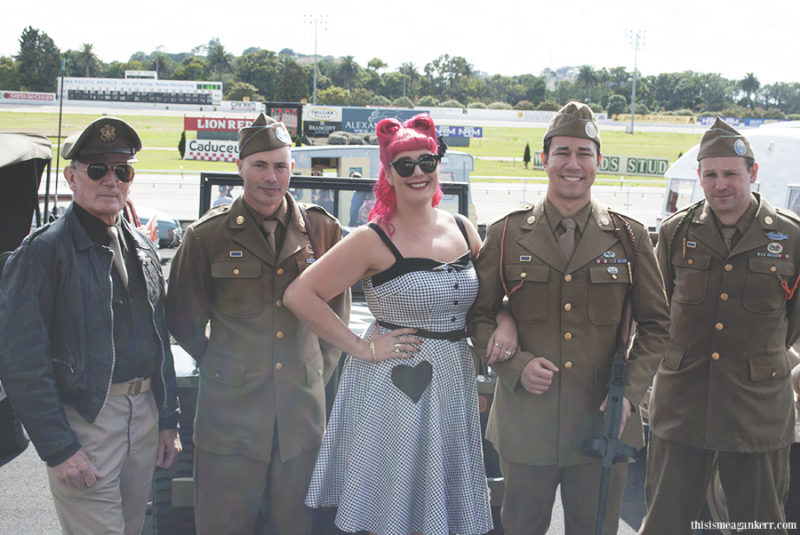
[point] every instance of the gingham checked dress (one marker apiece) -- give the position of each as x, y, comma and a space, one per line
393, 465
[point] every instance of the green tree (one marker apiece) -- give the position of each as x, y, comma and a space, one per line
260, 68
292, 86
616, 104
526, 155
428, 101
348, 69
219, 59
192, 68
587, 77
334, 95
38, 61
409, 71
87, 61
379, 100
9, 75
242, 91
360, 96
750, 85
376, 64
402, 102
182, 144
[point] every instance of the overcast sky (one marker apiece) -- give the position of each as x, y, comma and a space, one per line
507, 37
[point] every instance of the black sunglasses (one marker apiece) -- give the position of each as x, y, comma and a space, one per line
405, 166
96, 171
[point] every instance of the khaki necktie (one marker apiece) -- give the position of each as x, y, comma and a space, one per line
119, 259
727, 234
567, 240
269, 226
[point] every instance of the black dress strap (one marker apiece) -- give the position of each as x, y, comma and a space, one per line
386, 240
461, 226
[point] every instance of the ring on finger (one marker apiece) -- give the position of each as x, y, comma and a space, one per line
498, 344
508, 352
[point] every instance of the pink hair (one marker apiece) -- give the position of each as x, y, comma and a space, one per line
418, 133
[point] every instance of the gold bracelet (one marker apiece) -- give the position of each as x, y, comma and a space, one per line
372, 348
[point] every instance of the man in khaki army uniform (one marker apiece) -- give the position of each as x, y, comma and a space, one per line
722, 394
261, 402
566, 283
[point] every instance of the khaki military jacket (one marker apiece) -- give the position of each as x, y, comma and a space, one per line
568, 313
260, 368
724, 382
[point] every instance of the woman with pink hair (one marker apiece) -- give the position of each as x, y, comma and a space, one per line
402, 453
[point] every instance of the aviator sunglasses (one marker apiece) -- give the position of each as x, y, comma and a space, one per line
96, 171
405, 166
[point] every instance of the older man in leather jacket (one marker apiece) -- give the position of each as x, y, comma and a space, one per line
85, 356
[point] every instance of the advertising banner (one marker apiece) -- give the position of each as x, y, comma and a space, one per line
363, 120
322, 113
211, 150
26, 97
622, 165
216, 124
459, 131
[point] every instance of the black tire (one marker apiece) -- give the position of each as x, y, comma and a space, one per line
168, 520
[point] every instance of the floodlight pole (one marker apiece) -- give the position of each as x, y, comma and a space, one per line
315, 19
635, 37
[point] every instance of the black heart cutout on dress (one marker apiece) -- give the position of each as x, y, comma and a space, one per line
412, 381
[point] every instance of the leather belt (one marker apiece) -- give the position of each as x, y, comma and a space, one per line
452, 336
130, 388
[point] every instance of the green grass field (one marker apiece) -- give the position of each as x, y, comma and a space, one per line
163, 132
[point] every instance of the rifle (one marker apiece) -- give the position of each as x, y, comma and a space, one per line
608, 447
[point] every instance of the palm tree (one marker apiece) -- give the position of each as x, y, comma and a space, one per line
749, 84
87, 61
588, 77
219, 59
409, 70
348, 68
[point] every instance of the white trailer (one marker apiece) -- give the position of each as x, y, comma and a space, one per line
777, 150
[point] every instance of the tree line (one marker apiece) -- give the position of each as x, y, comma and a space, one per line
447, 81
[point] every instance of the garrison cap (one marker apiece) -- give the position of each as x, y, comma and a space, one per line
103, 136
575, 119
723, 140
265, 133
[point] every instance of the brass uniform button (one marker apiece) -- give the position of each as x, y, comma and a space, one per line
728, 267
773, 269
523, 274
279, 272
723, 296
719, 326
279, 335
567, 277
319, 372
278, 366
568, 365
279, 303
235, 271
568, 336
568, 307
218, 374
240, 220
690, 261
774, 373
715, 355
531, 219
768, 220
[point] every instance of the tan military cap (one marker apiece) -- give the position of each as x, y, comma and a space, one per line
575, 119
722, 140
103, 136
264, 134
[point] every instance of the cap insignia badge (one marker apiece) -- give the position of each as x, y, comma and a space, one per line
108, 133
740, 147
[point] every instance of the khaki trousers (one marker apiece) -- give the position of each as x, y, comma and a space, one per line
530, 492
236, 495
121, 443
755, 484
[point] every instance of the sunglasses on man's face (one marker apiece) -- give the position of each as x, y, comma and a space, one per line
96, 171
405, 166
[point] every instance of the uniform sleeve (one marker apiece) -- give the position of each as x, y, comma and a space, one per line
188, 296
652, 321
664, 260
481, 319
26, 361
793, 311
